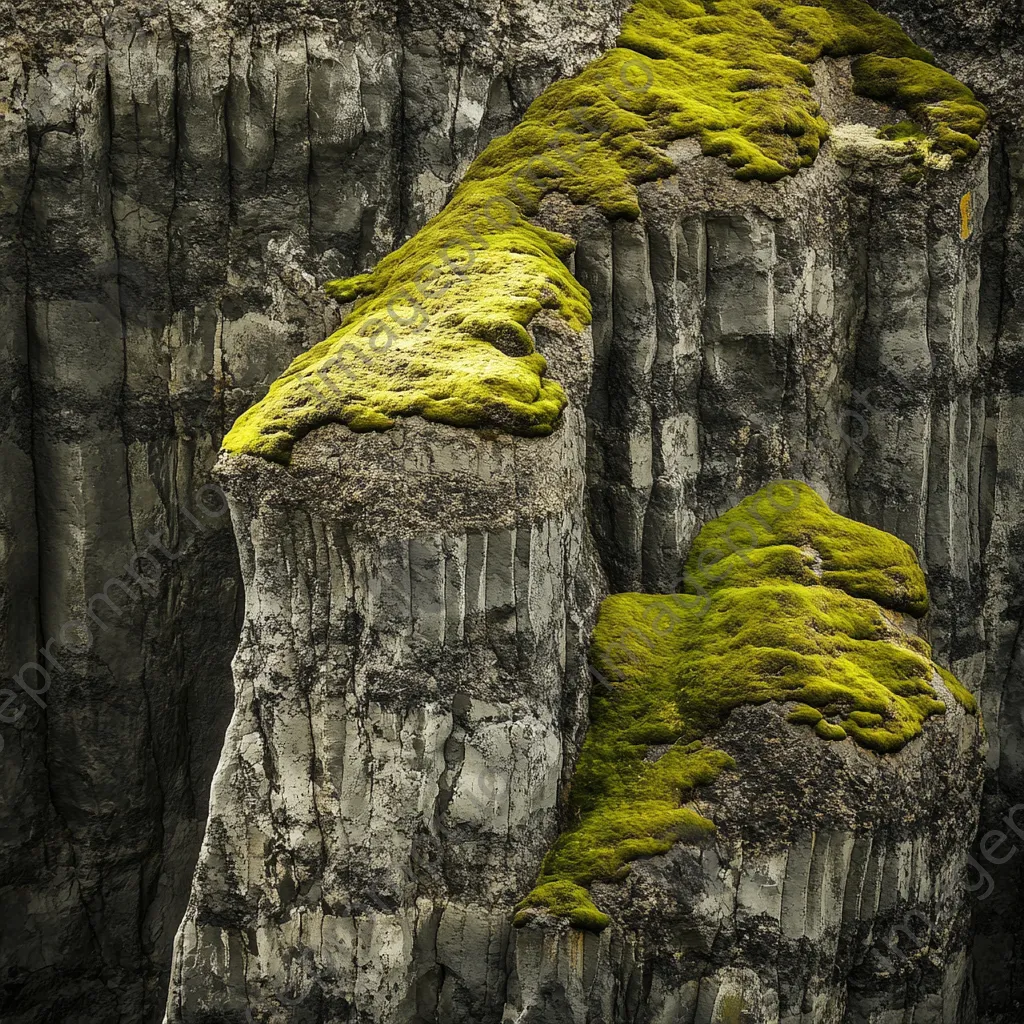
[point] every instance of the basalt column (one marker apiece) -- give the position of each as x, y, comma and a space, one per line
409, 686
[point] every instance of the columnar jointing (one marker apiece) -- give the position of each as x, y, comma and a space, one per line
411, 686
410, 682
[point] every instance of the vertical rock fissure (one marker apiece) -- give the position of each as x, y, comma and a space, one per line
403, 143
315, 765
992, 305
219, 375
177, 116
30, 384
309, 147
455, 114
156, 851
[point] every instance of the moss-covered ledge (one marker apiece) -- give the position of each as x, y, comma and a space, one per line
440, 328
783, 600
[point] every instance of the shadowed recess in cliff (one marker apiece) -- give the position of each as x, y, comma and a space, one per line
784, 601
441, 328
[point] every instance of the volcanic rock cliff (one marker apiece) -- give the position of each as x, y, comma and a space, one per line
731, 332
411, 685
173, 183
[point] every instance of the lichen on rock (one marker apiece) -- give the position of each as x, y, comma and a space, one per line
440, 330
783, 600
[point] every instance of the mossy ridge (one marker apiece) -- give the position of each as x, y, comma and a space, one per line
784, 619
446, 338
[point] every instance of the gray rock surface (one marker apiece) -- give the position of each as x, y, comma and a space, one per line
826, 328
175, 182
981, 42
411, 671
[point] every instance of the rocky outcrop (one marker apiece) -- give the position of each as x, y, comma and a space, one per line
979, 41
824, 328
173, 183
411, 679
826, 895
736, 848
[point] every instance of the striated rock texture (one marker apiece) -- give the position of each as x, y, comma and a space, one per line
411, 681
173, 184
828, 328
174, 181
980, 41
827, 894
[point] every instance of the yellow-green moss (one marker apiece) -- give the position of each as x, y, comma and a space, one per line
441, 331
769, 534
802, 714
730, 1009
828, 731
942, 106
570, 901
960, 693
798, 605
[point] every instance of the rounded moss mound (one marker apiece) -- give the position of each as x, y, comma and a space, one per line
441, 328
783, 600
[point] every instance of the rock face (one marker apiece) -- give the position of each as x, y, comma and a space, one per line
826, 892
411, 671
172, 185
826, 895
980, 41
824, 328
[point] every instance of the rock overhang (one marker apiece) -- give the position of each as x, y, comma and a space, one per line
782, 601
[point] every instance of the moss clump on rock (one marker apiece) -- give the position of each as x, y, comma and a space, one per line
786, 532
567, 900
441, 328
945, 109
785, 601
961, 694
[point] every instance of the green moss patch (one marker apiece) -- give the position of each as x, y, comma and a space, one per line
786, 532
440, 330
961, 694
567, 900
783, 600
944, 108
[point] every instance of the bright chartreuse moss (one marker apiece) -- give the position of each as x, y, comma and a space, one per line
441, 328
938, 102
784, 600
626, 807
859, 559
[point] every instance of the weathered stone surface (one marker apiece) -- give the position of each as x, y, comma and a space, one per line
825, 896
411, 684
174, 185
824, 328
980, 41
